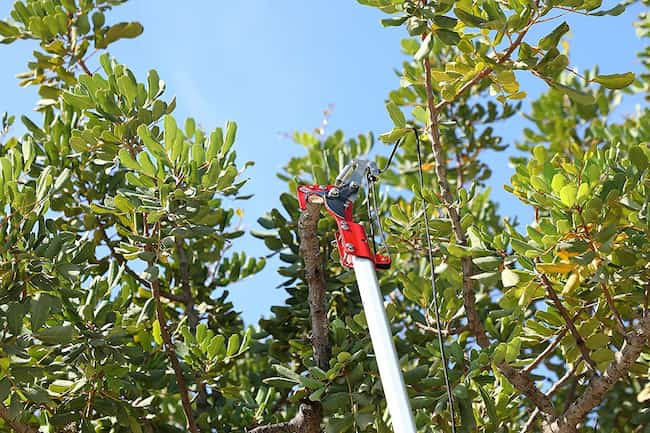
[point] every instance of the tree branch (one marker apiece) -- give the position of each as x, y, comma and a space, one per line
308, 418
184, 271
520, 380
634, 344
173, 359
306, 421
552, 390
551, 347
315, 278
488, 70
580, 342
15, 424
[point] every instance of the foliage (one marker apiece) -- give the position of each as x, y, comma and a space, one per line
118, 224
107, 200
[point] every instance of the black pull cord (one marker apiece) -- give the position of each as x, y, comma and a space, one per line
434, 291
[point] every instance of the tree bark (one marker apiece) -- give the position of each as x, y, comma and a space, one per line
636, 341
309, 416
15, 424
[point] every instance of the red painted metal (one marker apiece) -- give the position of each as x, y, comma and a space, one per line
351, 239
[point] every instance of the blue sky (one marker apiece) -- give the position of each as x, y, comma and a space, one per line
274, 65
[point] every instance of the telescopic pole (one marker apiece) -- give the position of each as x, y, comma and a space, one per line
382, 342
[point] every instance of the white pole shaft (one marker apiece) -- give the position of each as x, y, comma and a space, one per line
382, 342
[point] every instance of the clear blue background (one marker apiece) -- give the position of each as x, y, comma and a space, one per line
274, 65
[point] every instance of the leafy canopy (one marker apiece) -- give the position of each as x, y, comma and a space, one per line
119, 225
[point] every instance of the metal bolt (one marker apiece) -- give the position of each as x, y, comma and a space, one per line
349, 247
334, 192
345, 225
354, 186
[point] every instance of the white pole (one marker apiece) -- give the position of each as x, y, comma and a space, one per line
392, 380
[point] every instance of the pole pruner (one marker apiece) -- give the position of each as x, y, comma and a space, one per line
355, 252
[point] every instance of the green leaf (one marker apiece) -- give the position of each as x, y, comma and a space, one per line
445, 22
216, 346
152, 145
513, 348
56, 334
233, 345
558, 183
568, 195
615, 11
122, 31
597, 341
127, 160
201, 332
231, 133
552, 39
575, 95
279, 382
638, 157
394, 21
396, 114
448, 37
469, 19
509, 277
289, 374
5, 388
489, 405
156, 332
615, 81
80, 102
394, 135
8, 30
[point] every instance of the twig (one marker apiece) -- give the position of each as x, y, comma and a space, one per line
308, 418
551, 347
120, 258
647, 300
173, 358
580, 342
84, 67
634, 344
184, 271
14, 423
612, 306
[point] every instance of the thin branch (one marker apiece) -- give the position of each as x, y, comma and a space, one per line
552, 390
551, 347
612, 307
184, 271
173, 358
634, 344
14, 423
123, 261
308, 418
580, 342
647, 299
84, 67
120, 258
488, 70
